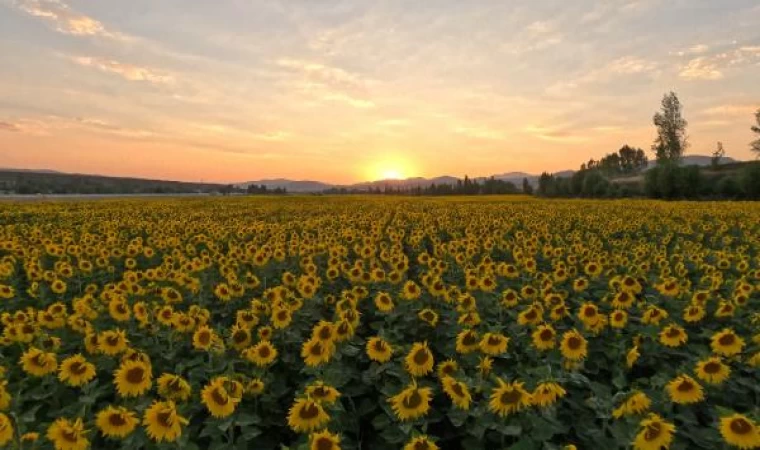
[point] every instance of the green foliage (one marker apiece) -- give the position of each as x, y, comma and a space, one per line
671, 142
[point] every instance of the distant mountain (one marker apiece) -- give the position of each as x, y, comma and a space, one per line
3, 169
407, 183
289, 185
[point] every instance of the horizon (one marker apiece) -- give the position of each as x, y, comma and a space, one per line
345, 92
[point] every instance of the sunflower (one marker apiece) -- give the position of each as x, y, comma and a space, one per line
632, 356
281, 318
530, 316
218, 399
162, 422
685, 390
457, 392
618, 319
6, 430
68, 435
712, 370
203, 337
76, 371
261, 354
173, 387
740, 431
112, 342
494, 344
116, 422
37, 363
411, 403
322, 392
323, 331
428, 316
379, 350
509, 398
544, 337
255, 387
726, 343
636, 403
447, 368
655, 434
467, 341
420, 443
673, 336
384, 302
315, 352
132, 378
547, 393
419, 361
574, 346
344, 330
324, 440
485, 364
307, 415
240, 336
410, 291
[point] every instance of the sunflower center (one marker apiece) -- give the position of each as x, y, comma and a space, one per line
135, 375
421, 445
316, 349
320, 392
428, 315
165, 419
219, 398
282, 315
204, 337
510, 397
727, 340
457, 389
308, 412
469, 339
447, 369
379, 346
685, 386
239, 336
421, 357
112, 340
712, 367
324, 443
673, 333
531, 314
589, 312
740, 426
116, 420
574, 342
264, 351
70, 436
494, 341
413, 401
652, 432
77, 368
546, 335
39, 360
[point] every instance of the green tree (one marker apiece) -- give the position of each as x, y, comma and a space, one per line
671, 141
755, 145
526, 187
717, 155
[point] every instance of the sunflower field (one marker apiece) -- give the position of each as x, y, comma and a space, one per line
379, 323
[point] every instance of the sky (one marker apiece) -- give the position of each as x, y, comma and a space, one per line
352, 90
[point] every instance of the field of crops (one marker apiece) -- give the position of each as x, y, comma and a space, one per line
379, 323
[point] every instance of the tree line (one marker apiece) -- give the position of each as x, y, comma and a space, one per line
625, 174
466, 186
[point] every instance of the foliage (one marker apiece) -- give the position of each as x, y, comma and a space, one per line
755, 145
626, 161
671, 141
717, 155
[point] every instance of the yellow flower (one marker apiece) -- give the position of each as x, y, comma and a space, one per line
509, 398
411, 403
173, 387
494, 344
636, 403
162, 422
467, 341
76, 371
322, 392
307, 415
133, 378
419, 361
673, 336
726, 343
379, 350
712, 370
740, 431
544, 337
324, 440
420, 443
316, 352
574, 346
429, 316
447, 368
632, 356
457, 392
685, 390
261, 354
37, 363
655, 434
203, 337
116, 422
546, 394
67, 435
218, 397
384, 302
6, 430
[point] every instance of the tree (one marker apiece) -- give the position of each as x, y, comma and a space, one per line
526, 187
755, 145
717, 155
671, 141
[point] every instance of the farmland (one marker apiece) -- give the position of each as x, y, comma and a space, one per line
379, 322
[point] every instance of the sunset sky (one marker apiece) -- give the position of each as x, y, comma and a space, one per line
350, 90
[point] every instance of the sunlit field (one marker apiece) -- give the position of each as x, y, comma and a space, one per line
379, 323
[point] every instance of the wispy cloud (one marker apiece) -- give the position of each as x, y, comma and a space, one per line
701, 68
479, 132
65, 20
127, 71
732, 109
9, 126
555, 134
620, 67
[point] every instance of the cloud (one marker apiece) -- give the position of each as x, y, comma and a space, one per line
321, 73
127, 71
697, 49
65, 20
9, 126
327, 83
732, 109
701, 68
556, 134
619, 67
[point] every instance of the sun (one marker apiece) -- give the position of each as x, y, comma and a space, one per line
391, 174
